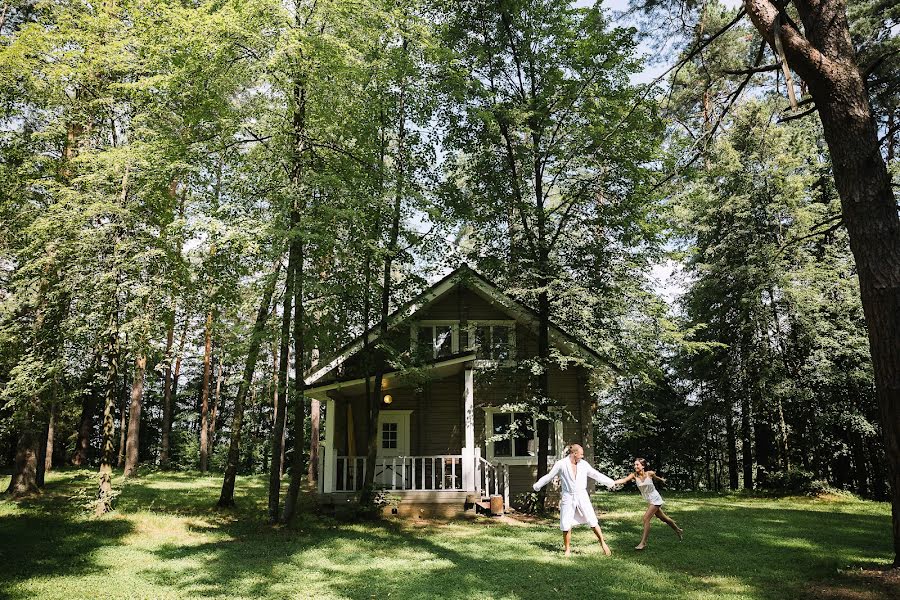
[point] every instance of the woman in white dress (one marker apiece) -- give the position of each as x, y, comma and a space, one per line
575, 505
644, 480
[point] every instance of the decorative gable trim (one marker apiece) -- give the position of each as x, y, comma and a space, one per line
464, 275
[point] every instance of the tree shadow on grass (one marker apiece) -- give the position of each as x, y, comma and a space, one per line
50, 536
730, 552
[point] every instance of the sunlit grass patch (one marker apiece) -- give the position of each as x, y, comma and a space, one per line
166, 539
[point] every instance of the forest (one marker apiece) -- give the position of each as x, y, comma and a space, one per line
202, 200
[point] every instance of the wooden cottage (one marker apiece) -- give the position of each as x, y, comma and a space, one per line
447, 427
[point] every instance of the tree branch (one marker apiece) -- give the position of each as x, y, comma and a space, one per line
797, 240
808, 111
752, 70
804, 57
676, 67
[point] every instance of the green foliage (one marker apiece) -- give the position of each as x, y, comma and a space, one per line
796, 482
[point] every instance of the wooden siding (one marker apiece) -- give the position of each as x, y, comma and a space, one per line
462, 304
435, 425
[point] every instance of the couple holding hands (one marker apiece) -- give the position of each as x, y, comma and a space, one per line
575, 506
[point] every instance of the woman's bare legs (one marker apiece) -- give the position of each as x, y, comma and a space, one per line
599, 533
668, 521
648, 519
567, 540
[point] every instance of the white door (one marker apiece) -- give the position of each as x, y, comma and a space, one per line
393, 433
393, 469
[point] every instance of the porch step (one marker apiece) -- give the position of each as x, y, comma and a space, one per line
483, 507
430, 497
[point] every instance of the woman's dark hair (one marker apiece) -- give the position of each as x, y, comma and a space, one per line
643, 462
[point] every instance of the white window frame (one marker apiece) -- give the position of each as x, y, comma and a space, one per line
510, 324
556, 432
454, 333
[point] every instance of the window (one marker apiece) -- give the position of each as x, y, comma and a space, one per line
493, 341
389, 435
521, 436
519, 443
436, 339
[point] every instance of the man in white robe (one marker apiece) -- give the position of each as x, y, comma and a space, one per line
575, 506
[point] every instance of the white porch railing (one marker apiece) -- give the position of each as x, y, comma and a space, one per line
491, 479
441, 472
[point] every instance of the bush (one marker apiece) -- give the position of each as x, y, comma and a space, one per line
796, 481
526, 502
372, 502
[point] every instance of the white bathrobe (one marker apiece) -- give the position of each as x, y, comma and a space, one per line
575, 505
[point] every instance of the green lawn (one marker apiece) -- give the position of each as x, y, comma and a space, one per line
166, 541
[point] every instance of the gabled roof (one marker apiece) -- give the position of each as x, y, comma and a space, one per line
476, 282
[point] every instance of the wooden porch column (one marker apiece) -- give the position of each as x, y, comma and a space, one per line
330, 463
468, 450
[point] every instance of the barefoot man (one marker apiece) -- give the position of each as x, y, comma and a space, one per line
575, 506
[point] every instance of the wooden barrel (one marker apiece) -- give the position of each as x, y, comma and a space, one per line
497, 505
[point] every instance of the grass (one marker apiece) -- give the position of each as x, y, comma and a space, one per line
166, 541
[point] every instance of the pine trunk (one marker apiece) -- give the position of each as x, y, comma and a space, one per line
132, 446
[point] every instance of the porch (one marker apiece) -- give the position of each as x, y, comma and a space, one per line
427, 478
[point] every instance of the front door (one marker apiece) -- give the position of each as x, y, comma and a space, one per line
393, 433
393, 468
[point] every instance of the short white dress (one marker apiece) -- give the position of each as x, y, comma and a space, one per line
575, 506
648, 491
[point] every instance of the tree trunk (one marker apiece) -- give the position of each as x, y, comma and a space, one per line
104, 495
543, 385
275, 468
51, 427
298, 260
764, 439
88, 410
215, 407
298, 399
166, 425
746, 444
732, 446
826, 60
374, 397
860, 465
24, 478
226, 497
315, 411
204, 398
171, 379
123, 425
134, 417
85, 428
